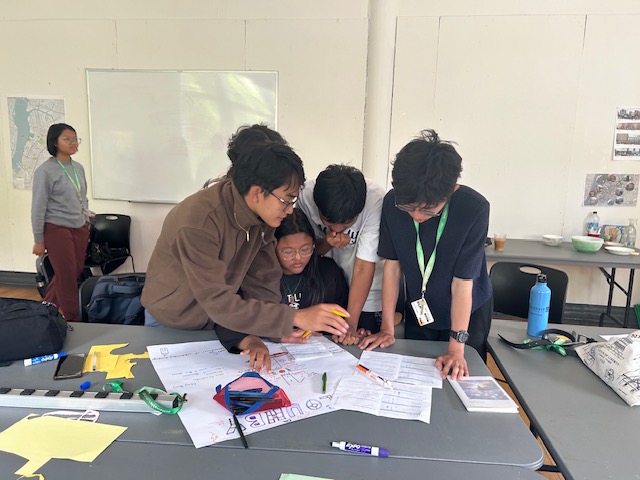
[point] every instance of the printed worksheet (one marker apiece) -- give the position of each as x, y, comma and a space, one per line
314, 348
403, 401
197, 368
411, 380
403, 369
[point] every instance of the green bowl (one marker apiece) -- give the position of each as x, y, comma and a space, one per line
587, 244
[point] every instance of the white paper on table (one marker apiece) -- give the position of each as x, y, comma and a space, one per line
403, 369
196, 368
314, 348
407, 402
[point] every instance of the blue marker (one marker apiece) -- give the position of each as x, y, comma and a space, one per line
43, 358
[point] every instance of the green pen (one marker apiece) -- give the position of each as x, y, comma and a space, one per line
324, 382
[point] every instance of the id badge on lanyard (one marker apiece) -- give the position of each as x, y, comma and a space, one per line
420, 307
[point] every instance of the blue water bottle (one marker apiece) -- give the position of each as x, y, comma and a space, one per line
539, 301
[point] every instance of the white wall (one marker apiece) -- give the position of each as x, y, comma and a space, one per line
319, 49
528, 90
530, 99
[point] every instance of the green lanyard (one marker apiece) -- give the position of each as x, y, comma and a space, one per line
426, 271
76, 184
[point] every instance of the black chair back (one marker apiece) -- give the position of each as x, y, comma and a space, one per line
109, 242
512, 284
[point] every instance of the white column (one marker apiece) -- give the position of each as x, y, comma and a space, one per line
380, 69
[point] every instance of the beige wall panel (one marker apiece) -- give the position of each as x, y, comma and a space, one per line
506, 91
184, 9
181, 44
321, 84
414, 79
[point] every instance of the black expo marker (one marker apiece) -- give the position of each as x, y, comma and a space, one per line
357, 448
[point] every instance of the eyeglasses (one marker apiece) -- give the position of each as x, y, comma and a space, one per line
290, 253
409, 208
284, 202
70, 141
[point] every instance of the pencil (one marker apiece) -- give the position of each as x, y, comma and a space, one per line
340, 314
306, 334
95, 361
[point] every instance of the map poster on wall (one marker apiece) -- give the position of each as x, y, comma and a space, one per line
29, 121
627, 142
611, 190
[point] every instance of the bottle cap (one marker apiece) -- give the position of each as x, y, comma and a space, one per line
542, 278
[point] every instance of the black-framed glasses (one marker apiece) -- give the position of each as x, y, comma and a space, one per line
409, 208
290, 253
284, 202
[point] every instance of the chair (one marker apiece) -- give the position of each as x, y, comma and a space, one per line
109, 242
512, 284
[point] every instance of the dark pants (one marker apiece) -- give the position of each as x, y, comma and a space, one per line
67, 249
370, 321
479, 326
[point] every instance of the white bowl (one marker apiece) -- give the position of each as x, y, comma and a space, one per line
552, 240
587, 244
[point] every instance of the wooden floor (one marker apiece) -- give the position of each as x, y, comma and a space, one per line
32, 294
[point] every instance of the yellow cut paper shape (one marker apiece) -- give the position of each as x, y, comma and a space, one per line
115, 365
39, 439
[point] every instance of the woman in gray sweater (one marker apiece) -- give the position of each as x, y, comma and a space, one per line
59, 215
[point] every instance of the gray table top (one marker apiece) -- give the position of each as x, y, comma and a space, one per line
163, 462
453, 434
583, 423
533, 251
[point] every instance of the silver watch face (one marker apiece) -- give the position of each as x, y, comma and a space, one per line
462, 336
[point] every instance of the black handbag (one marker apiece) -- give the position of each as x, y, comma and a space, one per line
29, 329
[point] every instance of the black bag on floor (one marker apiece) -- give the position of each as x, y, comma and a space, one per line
116, 299
29, 329
45, 273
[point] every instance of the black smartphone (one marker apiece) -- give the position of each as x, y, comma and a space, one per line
70, 366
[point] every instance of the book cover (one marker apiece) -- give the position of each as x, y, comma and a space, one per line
483, 394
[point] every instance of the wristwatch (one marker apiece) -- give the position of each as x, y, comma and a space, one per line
462, 336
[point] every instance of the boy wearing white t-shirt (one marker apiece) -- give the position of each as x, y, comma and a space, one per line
344, 209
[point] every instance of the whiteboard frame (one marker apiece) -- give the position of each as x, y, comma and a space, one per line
100, 144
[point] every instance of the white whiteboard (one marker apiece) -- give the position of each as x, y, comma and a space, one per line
157, 136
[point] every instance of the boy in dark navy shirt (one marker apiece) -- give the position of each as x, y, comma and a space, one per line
449, 296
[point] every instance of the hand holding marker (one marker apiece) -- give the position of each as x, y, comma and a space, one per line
335, 312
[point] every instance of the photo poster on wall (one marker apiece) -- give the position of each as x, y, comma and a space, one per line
611, 190
29, 119
157, 136
627, 134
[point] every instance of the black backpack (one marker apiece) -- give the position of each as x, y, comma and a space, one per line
116, 299
29, 329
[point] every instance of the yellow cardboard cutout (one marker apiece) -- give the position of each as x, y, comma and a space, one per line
40, 439
115, 365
